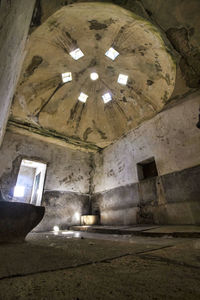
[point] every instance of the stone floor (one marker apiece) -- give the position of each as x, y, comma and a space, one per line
83, 266
144, 230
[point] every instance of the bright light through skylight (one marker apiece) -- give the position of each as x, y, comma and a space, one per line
66, 77
83, 97
122, 79
94, 76
76, 54
19, 191
112, 53
107, 97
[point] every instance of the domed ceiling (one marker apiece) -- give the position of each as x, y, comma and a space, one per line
48, 93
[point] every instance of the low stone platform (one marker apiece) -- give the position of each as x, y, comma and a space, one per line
144, 230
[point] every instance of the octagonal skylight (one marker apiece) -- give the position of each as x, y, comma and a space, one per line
107, 97
66, 77
76, 54
122, 79
112, 53
83, 97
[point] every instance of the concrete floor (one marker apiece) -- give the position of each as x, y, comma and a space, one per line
144, 230
83, 266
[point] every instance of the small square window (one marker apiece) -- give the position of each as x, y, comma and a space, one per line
112, 53
76, 54
66, 77
147, 169
83, 97
122, 79
107, 97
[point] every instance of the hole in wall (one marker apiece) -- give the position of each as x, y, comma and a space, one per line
147, 169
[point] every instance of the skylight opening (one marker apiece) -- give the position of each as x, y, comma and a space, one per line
94, 76
107, 97
122, 79
66, 77
76, 54
83, 97
112, 53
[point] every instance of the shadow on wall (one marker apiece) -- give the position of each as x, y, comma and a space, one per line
63, 209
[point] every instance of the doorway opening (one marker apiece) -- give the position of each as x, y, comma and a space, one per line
30, 182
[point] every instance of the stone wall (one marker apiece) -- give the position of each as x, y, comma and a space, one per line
15, 17
66, 189
173, 197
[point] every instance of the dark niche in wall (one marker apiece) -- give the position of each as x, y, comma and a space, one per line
147, 169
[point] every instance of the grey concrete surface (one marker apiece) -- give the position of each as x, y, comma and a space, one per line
144, 230
85, 266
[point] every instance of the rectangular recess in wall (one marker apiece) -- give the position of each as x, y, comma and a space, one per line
147, 169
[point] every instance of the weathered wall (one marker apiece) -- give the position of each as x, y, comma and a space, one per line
15, 17
67, 179
172, 197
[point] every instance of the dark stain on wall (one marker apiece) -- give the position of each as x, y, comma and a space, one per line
182, 186
53, 134
190, 55
71, 178
65, 41
95, 25
37, 14
86, 133
62, 208
149, 82
98, 37
79, 117
36, 61
9, 178
59, 86
76, 114
101, 133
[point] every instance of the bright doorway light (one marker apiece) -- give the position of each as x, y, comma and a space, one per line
107, 97
30, 181
122, 79
19, 191
94, 76
76, 54
112, 53
83, 97
66, 77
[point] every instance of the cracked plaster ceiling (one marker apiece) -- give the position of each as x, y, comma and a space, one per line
44, 101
